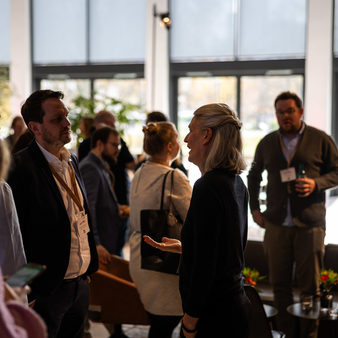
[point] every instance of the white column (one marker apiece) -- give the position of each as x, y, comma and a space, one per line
20, 74
318, 65
157, 59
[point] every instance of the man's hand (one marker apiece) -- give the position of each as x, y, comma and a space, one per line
104, 256
190, 323
258, 218
305, 186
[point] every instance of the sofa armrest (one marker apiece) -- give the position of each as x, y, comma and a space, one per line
117, 299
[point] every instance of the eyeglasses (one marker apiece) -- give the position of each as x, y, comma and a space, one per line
287, 111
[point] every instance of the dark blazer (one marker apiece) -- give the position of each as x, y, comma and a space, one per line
44, 221
102, 203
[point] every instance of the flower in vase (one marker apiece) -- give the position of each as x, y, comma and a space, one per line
328, 279
251, 276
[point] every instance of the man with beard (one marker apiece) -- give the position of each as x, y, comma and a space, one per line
295, 215
105, 211
53, 214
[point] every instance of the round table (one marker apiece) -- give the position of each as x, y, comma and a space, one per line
315, 314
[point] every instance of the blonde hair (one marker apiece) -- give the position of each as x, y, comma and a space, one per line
4, 159
157, 135
226, 144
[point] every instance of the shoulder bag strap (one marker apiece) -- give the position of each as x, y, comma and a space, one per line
171, 190
163, 187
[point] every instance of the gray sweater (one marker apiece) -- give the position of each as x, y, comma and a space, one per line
318, 153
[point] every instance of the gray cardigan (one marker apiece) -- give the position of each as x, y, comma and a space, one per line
318, 153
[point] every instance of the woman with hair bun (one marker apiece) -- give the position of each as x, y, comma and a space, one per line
159, 292
215, 230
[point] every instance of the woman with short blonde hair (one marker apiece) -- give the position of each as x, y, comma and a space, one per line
226, 149
215, 230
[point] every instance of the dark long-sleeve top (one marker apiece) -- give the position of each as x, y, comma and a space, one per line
213, 240
319, 155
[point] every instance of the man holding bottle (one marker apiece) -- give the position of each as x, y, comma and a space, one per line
301, 163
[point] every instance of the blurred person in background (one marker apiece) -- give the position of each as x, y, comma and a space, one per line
18, 127
87, 125
12, 255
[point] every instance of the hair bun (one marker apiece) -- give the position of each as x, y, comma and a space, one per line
150, 129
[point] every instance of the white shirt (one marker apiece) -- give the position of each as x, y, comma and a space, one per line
79, 258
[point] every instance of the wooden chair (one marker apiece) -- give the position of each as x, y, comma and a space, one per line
114, 296
259, 324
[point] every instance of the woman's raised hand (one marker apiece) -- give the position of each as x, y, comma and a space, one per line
167, 244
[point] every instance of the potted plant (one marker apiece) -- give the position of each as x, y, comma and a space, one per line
82, 106
251, 276
328, 280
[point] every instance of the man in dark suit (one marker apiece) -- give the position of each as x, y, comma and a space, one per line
107, 214
52, 208
102, 201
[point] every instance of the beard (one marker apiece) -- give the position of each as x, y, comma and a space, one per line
49, 138
109, 159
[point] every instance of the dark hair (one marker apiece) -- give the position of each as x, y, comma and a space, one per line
102, 135
32, 110
287, 96
156, 116
106, 117
15, 120
157, 135
23, 141
88, 122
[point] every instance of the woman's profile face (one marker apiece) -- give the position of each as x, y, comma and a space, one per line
194, 140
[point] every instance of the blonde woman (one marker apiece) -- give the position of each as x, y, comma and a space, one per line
159, 291
215, 230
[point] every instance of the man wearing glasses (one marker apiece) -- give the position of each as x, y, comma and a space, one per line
301, 162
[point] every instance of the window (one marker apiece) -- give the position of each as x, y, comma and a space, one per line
272, 28
4, 31
108, 19
74, 32
71, 88
257, 111
5, 110
130, 91
59, 31
335, 37
195, 22
238, 29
